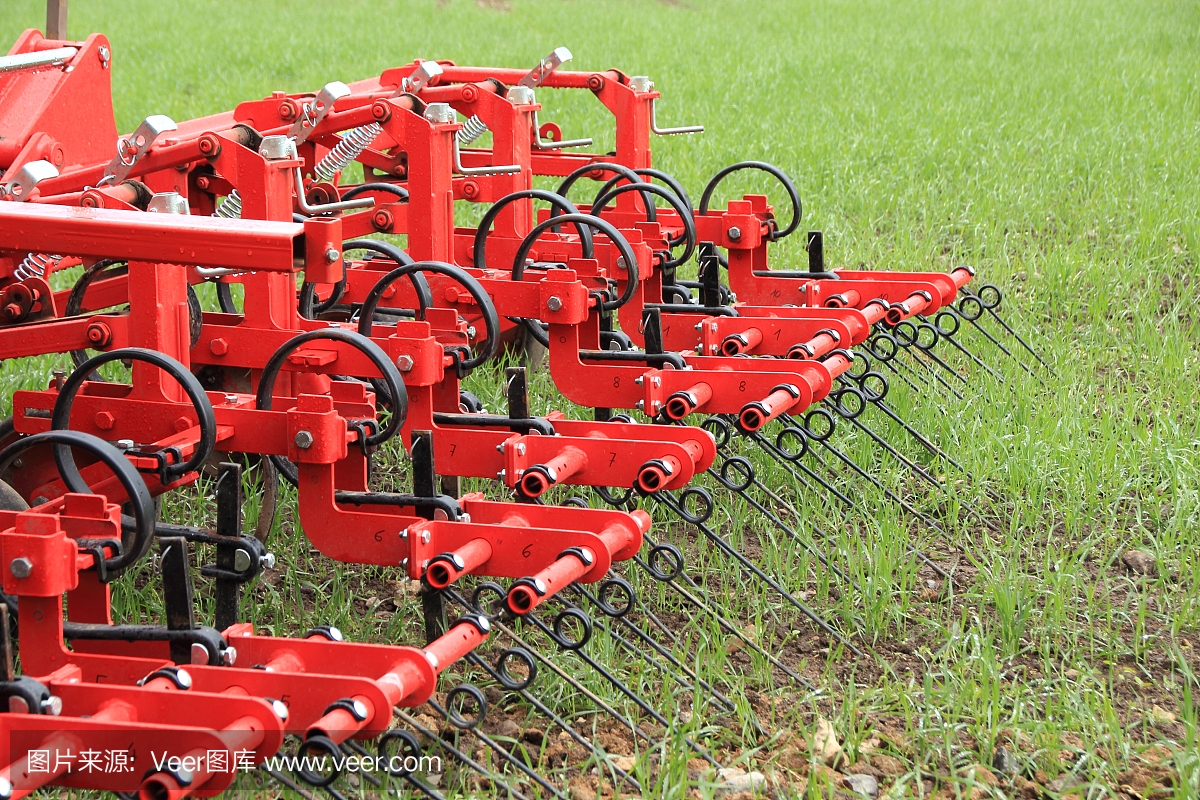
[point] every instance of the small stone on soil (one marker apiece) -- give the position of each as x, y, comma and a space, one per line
732, 780
1140, 562
863, 784
1004, 762
825, 744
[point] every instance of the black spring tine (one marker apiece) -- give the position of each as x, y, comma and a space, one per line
508, 757
914, 467
620, 686
903, 504
650, 615
778, 523
791, 466
557, 670
287, 782
950, 337
725, 623
530, 698
428, 791
527, 695
919, 437
598, 622
928, 351
991, 310
333, 793
696, 680
1029, 370
916, 356
475, 766
351, 747
670, 501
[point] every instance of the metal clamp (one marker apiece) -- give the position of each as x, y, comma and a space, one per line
130, 150
545, 68
425, 72
27, 177
315, 110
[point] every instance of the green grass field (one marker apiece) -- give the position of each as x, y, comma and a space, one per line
1054, 146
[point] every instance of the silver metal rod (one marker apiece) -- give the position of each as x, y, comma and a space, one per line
671, 131
459, 168
344, 205
42, 58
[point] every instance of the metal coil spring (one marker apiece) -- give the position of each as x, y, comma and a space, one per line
353, 142
230, 207
471, 130
36, 265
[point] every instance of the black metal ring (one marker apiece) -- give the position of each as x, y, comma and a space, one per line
931, 334
560, 622
506, 678
605, 166
612, 499
483, 231
884, 353
970, 301
792, 432
479, 593
943, 328
706, 509
60, 419
773, 171
742, 466
659, 175
849, 411
304, 771
620, 586
992, 291
905, 333
819, 413
872, 394
720, 429
455, 716
410, 747
673, 557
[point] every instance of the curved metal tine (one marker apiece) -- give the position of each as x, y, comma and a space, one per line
557, 670
1011, 332
664, 653
895, 366
952, 339
530, 698
975, 324
424, 789
778, 523
790, 465
620, 686
918, 436
465, 758
902, 349
912, 466
941, 363
646, 612
503, 753
727, 625
350, 748
920, 555
667, 498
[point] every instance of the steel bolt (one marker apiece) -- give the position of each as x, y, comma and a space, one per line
520, 448
184, 677
199, 653
280, 708
424, 537
404, 363
641, 84
734, 233
268, 561
231, 399
218, 347
304, 440
360, 709
21, 567
229, 656
126, 444
5, 789
183, 775
241, 561
104, 420
621, 265
105, 55
332, 255
554, 303
471, 331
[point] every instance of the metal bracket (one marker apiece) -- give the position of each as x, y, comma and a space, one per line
27, 177
546, 67
315, 110
130, 150
425, 72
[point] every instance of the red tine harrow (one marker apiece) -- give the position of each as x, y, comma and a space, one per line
313, 383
